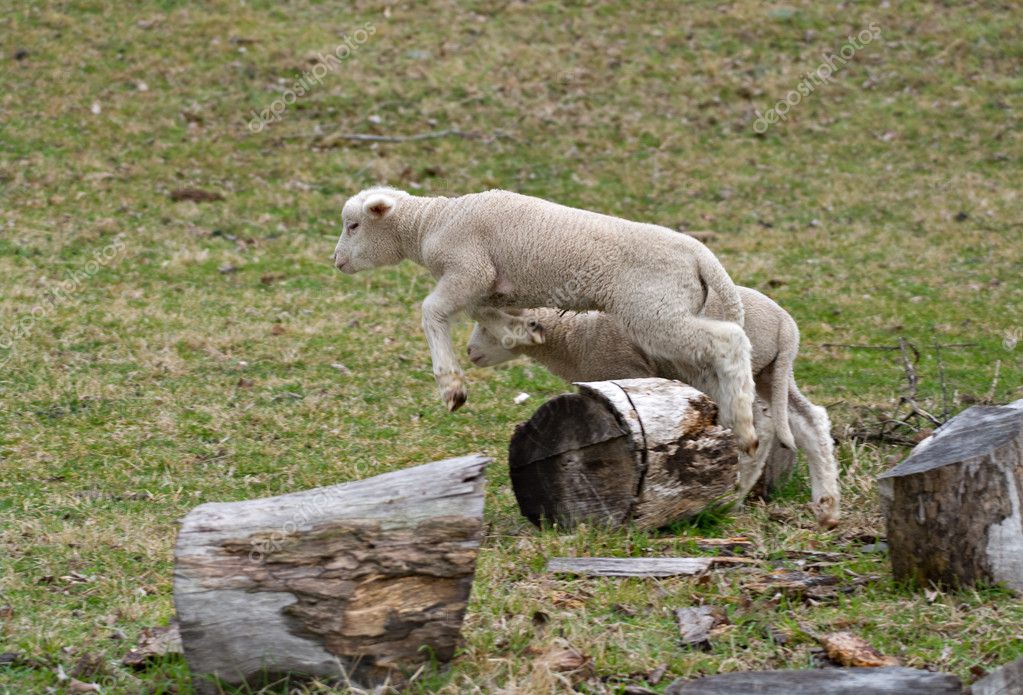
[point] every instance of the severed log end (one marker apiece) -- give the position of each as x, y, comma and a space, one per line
641, 451
364, 581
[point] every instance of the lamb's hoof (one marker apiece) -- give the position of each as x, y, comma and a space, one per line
535, 331
749, 447
452, 390
826, 511
455, 398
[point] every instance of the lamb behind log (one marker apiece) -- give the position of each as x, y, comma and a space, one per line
591, 346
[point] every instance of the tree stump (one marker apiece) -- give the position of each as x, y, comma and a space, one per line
642, 451
953, 507
364, 581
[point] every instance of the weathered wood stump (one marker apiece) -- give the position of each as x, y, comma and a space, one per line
645, 451
365, 580
953, 507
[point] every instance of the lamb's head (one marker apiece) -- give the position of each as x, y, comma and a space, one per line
485, 350
370, 235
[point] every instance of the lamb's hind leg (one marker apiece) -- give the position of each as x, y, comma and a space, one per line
811, 430
704, 343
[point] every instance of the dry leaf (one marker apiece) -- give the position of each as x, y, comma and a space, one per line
154, 643
657, 675
695, 623
564, 599
562, 657
847, 649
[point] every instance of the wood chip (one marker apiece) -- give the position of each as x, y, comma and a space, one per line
695, 623
846, 649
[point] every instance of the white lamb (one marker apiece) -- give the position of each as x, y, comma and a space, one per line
502, 249
592, 346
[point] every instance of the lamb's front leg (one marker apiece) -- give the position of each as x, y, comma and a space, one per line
452, 294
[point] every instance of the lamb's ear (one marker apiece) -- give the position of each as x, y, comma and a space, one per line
378, 205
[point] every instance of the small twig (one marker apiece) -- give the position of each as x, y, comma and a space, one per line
913, 380
859, 347
948, 346
908, 366
944, 386
994, 382
365, 137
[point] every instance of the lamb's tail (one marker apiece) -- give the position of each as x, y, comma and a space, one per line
788, 346
714, 275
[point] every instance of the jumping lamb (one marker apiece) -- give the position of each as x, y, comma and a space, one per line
592, 346
501, 249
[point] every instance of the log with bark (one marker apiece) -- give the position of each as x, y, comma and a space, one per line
642, 451
953, 507
364, 581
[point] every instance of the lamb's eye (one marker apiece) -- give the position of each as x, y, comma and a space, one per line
352, 227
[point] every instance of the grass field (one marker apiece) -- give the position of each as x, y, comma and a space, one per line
157, 354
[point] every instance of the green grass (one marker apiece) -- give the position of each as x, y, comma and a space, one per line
886, 205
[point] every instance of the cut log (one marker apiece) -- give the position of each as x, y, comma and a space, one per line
364, 581
833, 681
645, 451
629, 566
953, 507
1004, 680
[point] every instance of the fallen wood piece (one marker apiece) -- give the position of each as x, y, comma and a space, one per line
1004, 680
366, 581
696, 623
953, 507
734, 545
833, 681
794, 583
645, 451
629, 566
